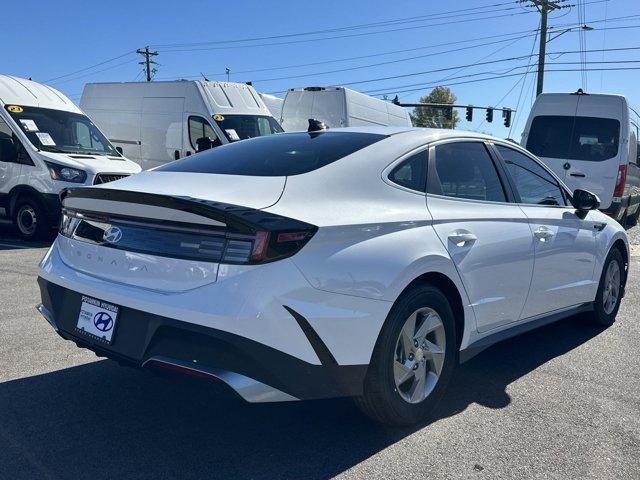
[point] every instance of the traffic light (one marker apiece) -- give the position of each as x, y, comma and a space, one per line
506, 114
489, 115
448, 113
469, 114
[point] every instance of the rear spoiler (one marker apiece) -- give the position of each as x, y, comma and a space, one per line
236, 217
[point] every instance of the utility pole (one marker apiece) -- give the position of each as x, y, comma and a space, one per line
544, 7
147, 60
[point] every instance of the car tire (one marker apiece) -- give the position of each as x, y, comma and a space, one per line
386, 397
29, 219
610, 289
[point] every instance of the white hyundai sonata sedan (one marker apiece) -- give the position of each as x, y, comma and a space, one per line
362, 262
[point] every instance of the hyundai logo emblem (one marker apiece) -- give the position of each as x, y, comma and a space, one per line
103, 321
112, 234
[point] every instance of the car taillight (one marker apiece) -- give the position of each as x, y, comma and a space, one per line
620, 181
269, 246
189, 243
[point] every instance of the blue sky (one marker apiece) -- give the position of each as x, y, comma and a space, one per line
46, 40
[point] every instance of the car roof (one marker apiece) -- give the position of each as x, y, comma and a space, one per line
426, 134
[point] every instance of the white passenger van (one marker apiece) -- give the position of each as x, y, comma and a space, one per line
158, 122
274, 104
590, 141
338, 107
47, 144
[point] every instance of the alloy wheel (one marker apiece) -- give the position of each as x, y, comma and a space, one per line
611, 292
419, 355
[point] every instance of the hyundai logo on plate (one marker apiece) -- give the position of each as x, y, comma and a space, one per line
112, 234
103, 321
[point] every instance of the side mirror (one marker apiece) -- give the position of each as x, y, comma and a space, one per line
119, 150
204, 143
584, 201
8, 150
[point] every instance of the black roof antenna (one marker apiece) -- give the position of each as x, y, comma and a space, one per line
316, 125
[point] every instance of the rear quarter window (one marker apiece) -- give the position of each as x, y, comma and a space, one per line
276, 155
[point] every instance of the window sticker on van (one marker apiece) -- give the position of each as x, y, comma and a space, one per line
14, 108
232, 134
218, 118
45, 138
29, 125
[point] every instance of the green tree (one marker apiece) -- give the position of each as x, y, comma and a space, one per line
435, 117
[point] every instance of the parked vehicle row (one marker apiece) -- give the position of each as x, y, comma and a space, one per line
364, 262
47, 144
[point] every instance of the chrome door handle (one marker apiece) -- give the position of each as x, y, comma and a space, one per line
461, 237
543, 233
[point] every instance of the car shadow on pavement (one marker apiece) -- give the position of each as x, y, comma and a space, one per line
102, 421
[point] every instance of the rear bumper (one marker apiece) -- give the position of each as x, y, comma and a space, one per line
617, 208
258, 373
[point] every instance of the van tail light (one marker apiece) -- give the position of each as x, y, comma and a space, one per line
620, 181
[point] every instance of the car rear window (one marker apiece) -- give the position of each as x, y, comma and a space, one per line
276, 155
576, 138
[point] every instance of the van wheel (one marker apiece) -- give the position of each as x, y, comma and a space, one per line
609, 295
29, 219
413, 360
632, 220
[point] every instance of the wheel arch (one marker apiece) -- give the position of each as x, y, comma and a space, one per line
450, 290
20, 191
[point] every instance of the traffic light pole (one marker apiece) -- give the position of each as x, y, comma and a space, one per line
448, 108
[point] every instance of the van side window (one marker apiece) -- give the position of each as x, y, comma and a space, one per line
534, 184
199, 128
412, 173
465, 170
9, 142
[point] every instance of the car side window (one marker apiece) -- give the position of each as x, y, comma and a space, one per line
534, 184
466, 170
199, 128
412, 172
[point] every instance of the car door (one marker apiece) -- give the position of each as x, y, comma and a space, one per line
565, 244
487, 237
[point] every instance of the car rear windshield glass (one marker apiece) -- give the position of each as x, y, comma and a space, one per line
275, 155
577, 138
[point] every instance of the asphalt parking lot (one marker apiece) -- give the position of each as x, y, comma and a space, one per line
559, 402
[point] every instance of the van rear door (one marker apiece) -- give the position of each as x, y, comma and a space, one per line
578, 137
596, 149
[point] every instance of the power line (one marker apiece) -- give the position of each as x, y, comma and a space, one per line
493, 17
520, 57
417, 18
88, 74
391, 91
389, 62
90, 67
374, 55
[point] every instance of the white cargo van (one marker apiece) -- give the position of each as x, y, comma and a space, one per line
47, 144
274, 104
158, 122
338, 107
590, 141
